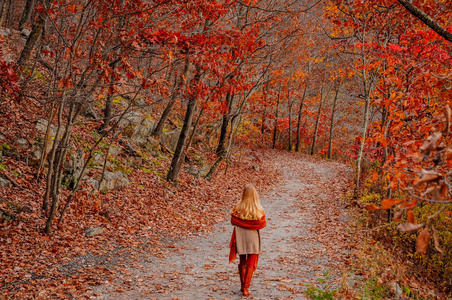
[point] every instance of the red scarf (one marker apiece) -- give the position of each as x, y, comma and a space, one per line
248, 224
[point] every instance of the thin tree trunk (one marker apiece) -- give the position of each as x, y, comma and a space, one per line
177, 161
427, 20
275, 128
90, 155
290, 120
50, 173
46, 142
168, 109
36, 33
107, 112
224, 154
58, 166
363, 140
4, 11
300, 111
225, 124
314, 139
29, 4
193, 132
330, 142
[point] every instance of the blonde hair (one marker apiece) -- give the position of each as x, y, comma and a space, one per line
248, 208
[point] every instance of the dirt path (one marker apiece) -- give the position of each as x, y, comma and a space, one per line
306, 238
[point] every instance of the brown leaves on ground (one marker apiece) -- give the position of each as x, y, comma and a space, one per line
33, 265
422, 241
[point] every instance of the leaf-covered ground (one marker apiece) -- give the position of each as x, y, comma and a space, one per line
136, 219
306, 245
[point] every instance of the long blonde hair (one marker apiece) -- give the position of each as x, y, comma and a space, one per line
248, 208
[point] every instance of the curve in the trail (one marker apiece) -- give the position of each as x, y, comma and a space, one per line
304, 243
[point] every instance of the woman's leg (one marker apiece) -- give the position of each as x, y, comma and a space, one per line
251, 265
242, 268
251, 260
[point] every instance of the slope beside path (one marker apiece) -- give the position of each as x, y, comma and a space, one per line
306, 242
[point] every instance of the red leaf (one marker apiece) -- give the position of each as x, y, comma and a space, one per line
371, 206
411, 217
388, 203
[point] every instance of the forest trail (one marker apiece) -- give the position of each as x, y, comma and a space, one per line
306, 240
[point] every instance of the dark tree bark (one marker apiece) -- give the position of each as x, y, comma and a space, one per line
225, 124
107, 113
330, 141
4, 11
426, 19
275, 128
177, 161
300, 111
314, 139
36, 33
169, 107
290, 103
29, 4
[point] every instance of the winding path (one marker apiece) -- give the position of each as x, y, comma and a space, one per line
305, 241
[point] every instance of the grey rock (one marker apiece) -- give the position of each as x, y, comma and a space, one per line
36, 152
98, 159
142, 132
170, 139
5, 182
2, 138
203, 171
130, 118
41, 125
94, 231
115, 151
25, 32
113, 180
396, 289
135, 161
21, 144
76, 161
256, 168
73, 168
93, 183
192, 170
152, 144
5, 31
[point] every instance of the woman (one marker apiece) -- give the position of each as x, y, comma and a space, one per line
248, 217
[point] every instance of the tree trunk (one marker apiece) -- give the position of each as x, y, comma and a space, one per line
4, 11
193, 132
58, 164
275, 129
290, 120
107, 113
225, 124
363, 140
300, 111
314, 139
426, 19
167, 112
36, 33
177, 161
29, 4
330, 142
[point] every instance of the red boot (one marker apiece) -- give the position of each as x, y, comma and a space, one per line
242, 270
246, 285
